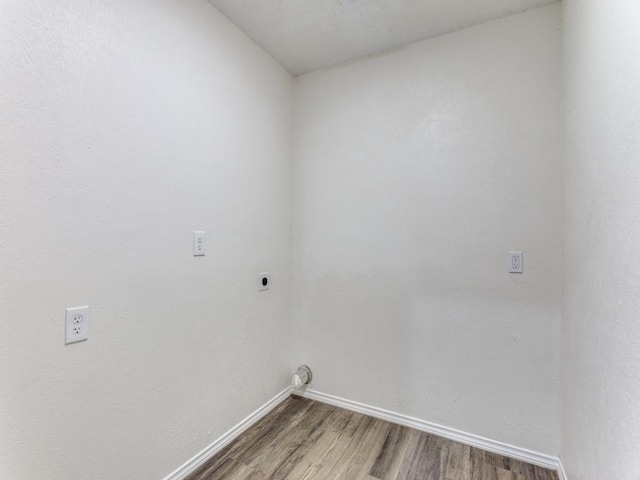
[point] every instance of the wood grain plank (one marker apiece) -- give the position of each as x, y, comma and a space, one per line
322, 456
229, 468
508, 475
271, 436
306, 440
361, 451
422, 461
282, 414
532, 472
344, 422
280, 457
395, 445
455, 462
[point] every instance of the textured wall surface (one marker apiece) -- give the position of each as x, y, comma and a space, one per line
416, 171
305, 36
601, 276
124, 126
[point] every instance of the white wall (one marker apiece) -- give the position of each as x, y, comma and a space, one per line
601, 255
124, 126
416, 171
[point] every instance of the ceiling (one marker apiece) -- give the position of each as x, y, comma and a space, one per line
304, 35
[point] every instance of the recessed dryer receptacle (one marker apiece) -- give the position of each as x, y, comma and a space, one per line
264, 281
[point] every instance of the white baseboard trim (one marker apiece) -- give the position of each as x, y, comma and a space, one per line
561, 473
494, 446
191, 465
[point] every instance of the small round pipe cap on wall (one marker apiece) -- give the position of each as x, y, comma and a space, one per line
302, 376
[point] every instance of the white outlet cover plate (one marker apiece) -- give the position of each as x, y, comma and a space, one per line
199, 244
76, 324
515, 262
261, 284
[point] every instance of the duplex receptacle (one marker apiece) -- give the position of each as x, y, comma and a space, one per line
515, 262
76, 324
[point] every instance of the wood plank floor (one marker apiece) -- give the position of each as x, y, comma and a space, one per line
306, 440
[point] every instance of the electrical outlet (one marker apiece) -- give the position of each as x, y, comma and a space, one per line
199, 244
515, 262
264, 281
76, 324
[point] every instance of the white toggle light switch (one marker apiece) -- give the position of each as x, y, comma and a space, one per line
515, 262
198, 244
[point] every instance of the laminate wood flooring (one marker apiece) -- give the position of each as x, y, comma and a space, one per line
306, 440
